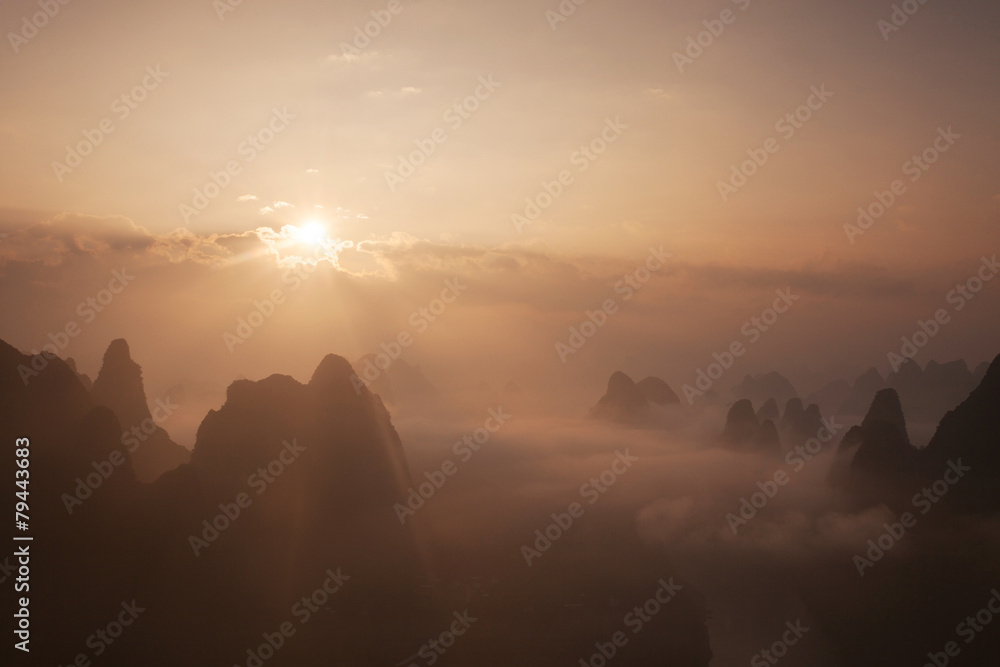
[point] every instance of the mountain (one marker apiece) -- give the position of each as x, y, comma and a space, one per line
119, 386
875, 461
744, 431
355, 458
862, 393
623, 401
759, 388
885, 451
971, 432
769, 411
636, 404
45, 398
287, 514
85, 380
925, 393
657, 391
928, 393
799, 423
194, 398
979, 373
288, 481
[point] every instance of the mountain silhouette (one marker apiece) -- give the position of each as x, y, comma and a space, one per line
355, 457
799, 423
119, 386
875, 461
928, 393
289, 485
85, 380
979, 373
885, 451
971, 432
657, 391
769, 411
319, 464
863, 393
744, 431
636, 404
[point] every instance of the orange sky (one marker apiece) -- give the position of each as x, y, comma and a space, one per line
171, 95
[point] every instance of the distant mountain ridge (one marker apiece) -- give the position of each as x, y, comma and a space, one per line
925, 393
635, 404
882, 461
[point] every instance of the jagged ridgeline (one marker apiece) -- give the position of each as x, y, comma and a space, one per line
289, 490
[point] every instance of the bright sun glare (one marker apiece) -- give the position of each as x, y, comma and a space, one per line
312, 232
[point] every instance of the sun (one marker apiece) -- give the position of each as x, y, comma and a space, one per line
312, 232
306, 243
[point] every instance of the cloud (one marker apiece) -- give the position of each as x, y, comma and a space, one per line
511, 273
406, 91
182, 245
289, 247
659, 93
51, 241
354, 58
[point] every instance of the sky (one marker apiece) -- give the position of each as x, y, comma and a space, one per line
215, 133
